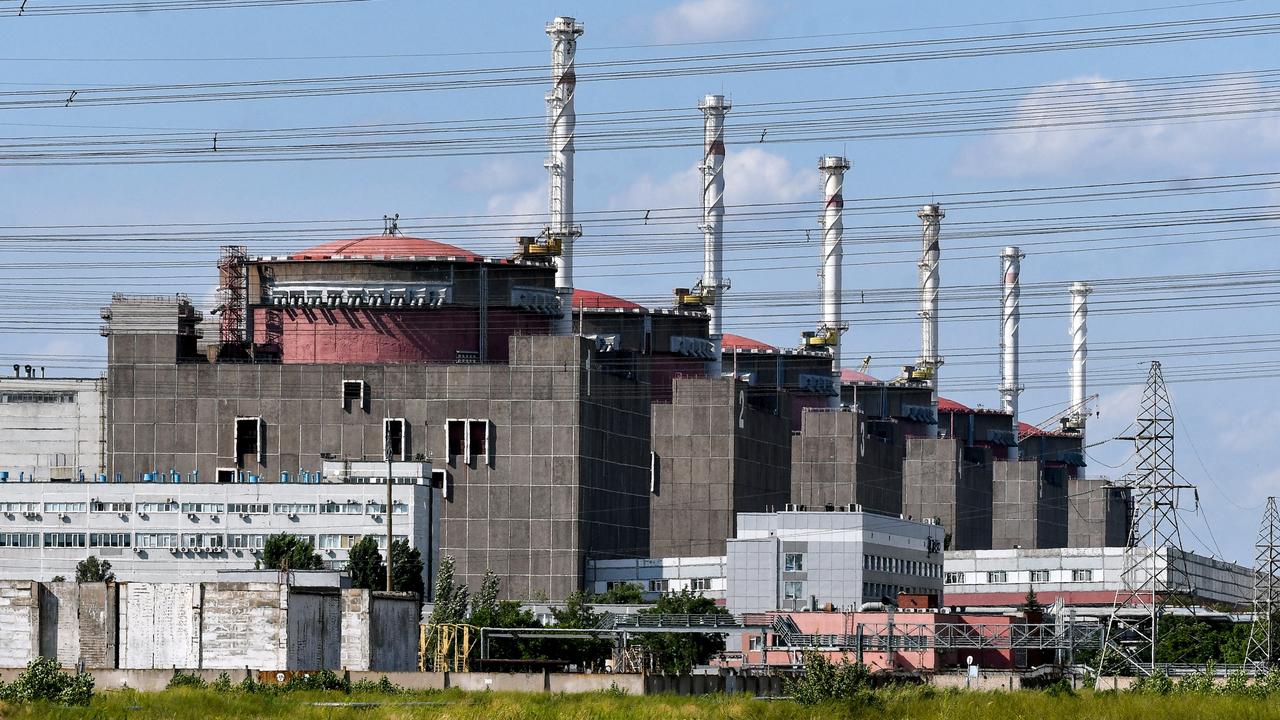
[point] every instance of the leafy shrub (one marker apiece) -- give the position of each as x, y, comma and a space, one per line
1157, 684
387, 687
824, 680
186, 680
223, 683
322, 680
1237, 683
43, 679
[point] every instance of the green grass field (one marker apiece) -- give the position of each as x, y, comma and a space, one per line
180, 704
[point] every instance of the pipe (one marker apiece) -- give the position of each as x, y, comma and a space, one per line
833, 168
1079, 355
714, 108
930, 257
564, 32
1010, 270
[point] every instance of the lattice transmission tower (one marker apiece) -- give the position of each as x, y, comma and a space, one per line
1155, 570
1260, 651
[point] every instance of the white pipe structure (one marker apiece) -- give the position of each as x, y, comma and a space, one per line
833, 168
1010, 270
713, 284
930, 258
1079, 355
564, 32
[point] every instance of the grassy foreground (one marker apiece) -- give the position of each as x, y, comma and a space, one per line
889, 705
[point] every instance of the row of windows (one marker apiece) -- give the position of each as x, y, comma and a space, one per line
468, 438
661, 585
902, 567
38, 397
999, 577
175, 540
876, 591
372, 507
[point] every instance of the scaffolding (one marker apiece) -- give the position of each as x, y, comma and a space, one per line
232, 294
448, 645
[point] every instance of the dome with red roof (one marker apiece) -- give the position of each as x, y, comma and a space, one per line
729, 341
384, 246
853, 377
951, 406
592, 300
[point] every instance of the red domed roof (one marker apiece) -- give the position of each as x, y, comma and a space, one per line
591, 299
951, 406
729, 341
387, 246
853, 376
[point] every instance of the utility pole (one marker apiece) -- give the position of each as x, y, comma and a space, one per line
1155, 569
1260, 649
386, 445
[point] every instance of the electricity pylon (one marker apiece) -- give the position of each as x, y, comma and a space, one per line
1155, 569
1260, 650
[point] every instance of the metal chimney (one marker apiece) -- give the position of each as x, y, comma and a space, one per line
833, 168
931, 255
1079, 355
1010, 270
561, 231
713, 284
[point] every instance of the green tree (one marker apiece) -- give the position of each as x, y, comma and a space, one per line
621, 594
679, 652
290, 552
824, 681
93, 570
406, 568
577, 613
1031, 603
485, 604
450, 600
364, 563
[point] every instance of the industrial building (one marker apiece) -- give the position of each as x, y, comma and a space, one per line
539, 429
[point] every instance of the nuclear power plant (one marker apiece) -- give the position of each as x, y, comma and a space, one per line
536, 428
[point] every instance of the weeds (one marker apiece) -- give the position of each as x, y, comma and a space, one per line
44, 680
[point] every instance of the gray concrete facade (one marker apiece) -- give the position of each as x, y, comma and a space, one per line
1097, 516
1029, 505
715, 455
51, 429
841, 458
944, 480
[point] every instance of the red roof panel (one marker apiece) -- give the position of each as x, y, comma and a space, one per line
390, 246
853, 376
597, 300
729, 341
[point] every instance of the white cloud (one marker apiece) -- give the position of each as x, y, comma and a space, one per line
522, 212
696, 20
495, 174
752, 175
1098, 141
1116, 411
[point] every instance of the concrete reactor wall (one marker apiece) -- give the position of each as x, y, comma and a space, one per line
943, 479
835, 461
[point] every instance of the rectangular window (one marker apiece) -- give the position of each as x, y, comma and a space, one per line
456, 430
355, 395
170, 506
755, 643
1039, 576
478, 442
227, 475
202, 507
121, 540
19, 507
248, 508
64, 540
246, 542
294, 509
156, 540
792, 590
338, 542
345, 508
19, 540
793, 562
248, 440
110, 507
954, 578
380, 508
1082, 576
997, 576
700, 584
202, 540
394, 446
64, 507
657, 585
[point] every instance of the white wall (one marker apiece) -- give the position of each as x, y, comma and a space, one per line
36, 436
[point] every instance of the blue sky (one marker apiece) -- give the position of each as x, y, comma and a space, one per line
1226, 427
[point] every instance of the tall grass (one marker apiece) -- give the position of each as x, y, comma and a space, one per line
912, 703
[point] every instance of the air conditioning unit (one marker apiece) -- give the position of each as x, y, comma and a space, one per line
293, 516
191, 516
184, 549
62, 516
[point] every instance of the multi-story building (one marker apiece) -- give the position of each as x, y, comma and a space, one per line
51, 429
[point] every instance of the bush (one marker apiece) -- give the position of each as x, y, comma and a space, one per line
44, 679
186, 680
322, 680
1158, 684
223, 683
823, 680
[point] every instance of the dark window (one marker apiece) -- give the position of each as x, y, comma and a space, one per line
355, 395
457, 431
248, 439
393, 445
479, 446
226, 475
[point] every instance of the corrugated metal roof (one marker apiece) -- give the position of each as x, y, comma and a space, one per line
591, 299
853, 376
729, 341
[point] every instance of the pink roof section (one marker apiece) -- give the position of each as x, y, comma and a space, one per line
951, 406
591, 299
729, 341
387, 246
853, 376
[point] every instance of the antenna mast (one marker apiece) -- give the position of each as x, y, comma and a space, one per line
1260, 650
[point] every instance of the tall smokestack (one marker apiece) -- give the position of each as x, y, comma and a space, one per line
564, 32
712, 284
931, 255
1010, 270
833, 168
1079, 355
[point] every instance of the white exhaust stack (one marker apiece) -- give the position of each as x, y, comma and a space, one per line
712, 285
1079, 355
564, 32
931, 256
833, 168
1010, 270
